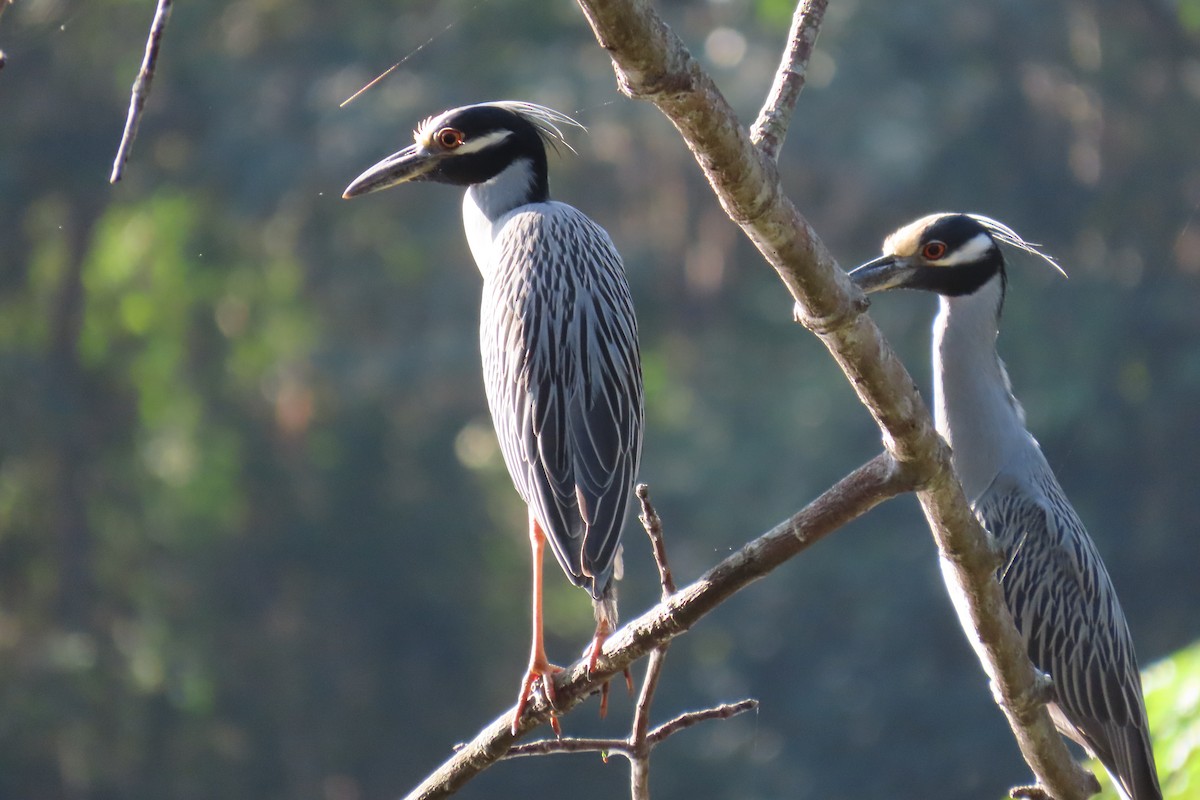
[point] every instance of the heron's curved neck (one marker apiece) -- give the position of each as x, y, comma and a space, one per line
485, 204
974, 406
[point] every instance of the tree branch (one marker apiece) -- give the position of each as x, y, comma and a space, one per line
653, 526
568, 744
723, 711
141, 88
652, 63
769, 130
545, 747
641, 742
879, 479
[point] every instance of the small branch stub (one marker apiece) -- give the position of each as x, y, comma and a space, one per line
653, 525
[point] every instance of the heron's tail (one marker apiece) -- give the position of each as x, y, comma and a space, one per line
1131, 764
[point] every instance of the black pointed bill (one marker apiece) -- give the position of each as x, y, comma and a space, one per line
410, 164
885, 272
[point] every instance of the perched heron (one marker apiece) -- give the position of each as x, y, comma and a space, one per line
559, 340
1054, 582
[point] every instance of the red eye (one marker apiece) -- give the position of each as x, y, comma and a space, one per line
449, 138
933, 251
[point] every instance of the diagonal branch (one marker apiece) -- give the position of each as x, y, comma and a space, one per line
141, 88
879, 479
652, 63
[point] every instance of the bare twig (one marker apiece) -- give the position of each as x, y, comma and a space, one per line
653, 526
769, 130
724, 711
639, 743
637, 748
568, 744
641, 709
545, 747
879, 479
652, 63
141, 88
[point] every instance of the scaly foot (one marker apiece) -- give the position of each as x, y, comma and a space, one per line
593, 654
545, 671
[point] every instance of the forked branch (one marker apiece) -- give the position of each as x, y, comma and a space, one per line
879, 479
651, 63
636, 749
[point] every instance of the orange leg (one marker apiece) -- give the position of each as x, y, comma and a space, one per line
539, 665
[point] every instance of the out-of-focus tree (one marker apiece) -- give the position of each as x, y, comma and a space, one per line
251, 510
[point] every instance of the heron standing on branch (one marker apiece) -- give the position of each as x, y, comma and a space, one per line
559, 340
1054, 582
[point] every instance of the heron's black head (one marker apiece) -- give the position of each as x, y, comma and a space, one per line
949, 254
471, 145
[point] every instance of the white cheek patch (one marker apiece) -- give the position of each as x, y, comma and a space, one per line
481, 142
972, 250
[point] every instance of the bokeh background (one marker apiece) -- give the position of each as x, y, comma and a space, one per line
256, 538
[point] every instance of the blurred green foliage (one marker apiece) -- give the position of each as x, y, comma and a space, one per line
1173, 705
256, 539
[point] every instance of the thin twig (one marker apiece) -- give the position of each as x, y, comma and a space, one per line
641, 709
141, 88
723, 711
770, 129
879, 479
639, 742
546, 747
653, 526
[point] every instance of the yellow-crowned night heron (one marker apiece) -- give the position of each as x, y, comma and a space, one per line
559, 340
1054, 582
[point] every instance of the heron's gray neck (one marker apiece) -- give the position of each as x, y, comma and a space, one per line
973, 401
487, 203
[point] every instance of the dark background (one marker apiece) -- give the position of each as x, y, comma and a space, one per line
256, 538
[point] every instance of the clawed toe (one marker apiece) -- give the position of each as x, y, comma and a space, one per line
545, 673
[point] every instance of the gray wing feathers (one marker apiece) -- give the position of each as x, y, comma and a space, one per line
564, 384
1066, 609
